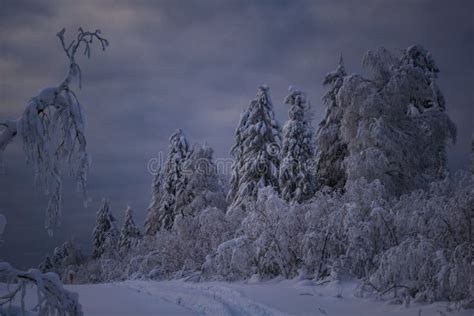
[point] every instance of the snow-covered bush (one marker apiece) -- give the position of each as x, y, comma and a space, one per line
434, 258
233, 260
324, 240
192, 238
269, 244
53, 298
275, 231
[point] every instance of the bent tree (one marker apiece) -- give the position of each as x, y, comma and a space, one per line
52, 129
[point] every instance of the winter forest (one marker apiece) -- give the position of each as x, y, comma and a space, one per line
360, 197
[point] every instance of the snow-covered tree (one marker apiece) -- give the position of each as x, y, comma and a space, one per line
297, 177
331, 149
256, 151
105, 235
46, 265
65, 259
152, 223
52, 129
395, 124
129, 234
275, 232
201, 186
173, 178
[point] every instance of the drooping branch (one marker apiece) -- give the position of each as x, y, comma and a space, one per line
53, 298
9, 132
52, 128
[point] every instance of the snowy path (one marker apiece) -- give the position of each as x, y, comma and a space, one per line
287, 297
202, 299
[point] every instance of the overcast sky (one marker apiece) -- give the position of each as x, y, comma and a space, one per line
195, 65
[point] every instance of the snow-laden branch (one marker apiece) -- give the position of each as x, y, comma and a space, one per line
52, 129
53, 298
9, 132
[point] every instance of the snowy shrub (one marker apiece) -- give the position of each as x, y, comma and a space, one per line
434, 258
269, 245
275, 232
53, 298
231, 261
182, 249
324, 238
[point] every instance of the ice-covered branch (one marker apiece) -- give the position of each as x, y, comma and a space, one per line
53, 298
52, 129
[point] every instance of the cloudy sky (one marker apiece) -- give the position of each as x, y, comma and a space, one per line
195, 65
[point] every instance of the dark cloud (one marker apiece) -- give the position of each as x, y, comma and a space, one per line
196, 65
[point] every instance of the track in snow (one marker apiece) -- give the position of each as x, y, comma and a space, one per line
203, 299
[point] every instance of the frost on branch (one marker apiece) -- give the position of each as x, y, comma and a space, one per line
53, 298
52, 129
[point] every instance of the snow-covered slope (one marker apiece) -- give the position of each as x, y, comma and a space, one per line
276, 297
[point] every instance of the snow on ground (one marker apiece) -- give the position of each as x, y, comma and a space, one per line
276, 297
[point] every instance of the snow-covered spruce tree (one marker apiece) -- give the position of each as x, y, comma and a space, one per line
297, 177
152, 218
65, 258
331, 149
129, 234
256, 152
395, 124
201, 186
52, 129
173, 178
199, 222
105, 235
46, 265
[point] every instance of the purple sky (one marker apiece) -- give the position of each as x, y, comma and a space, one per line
195, 65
